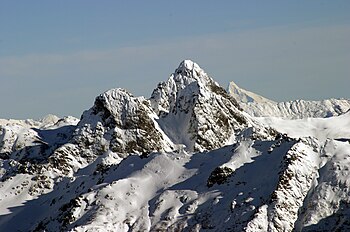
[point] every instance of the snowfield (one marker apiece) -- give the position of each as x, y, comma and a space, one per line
192, 157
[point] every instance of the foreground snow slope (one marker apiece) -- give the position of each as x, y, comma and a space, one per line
259, 106
187, 159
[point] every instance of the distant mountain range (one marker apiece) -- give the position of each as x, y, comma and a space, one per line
192, 157
258, 106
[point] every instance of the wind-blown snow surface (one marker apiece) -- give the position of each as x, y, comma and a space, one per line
187, 159
259, 106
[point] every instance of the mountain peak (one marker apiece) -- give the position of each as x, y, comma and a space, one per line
196, 111
245, 96
189, 71
187, 76
188, 65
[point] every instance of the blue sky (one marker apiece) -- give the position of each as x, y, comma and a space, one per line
57, 56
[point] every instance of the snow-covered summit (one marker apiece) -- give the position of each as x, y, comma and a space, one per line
187, 79
191, 71
245, 96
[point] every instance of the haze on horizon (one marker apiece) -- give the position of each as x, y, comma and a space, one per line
57, 56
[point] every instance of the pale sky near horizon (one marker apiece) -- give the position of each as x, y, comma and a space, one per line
57, 56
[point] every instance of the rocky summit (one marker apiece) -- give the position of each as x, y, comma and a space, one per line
192, 157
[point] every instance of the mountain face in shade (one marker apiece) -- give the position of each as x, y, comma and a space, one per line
192, 157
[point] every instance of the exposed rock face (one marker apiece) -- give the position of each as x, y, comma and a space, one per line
118, 122
127, 124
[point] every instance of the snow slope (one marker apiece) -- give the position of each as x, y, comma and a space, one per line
259, 106
187, 159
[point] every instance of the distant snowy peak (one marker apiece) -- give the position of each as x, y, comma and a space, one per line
258, 106
245, 96
48, 121
18, 134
